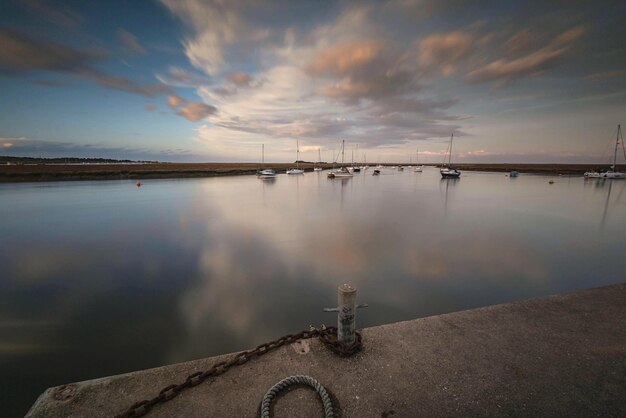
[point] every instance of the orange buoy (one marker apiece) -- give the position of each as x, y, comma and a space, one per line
138, 184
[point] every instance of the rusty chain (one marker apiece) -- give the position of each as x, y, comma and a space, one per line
327, 335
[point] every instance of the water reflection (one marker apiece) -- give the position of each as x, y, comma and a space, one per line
446, 183
606, 204
177, 270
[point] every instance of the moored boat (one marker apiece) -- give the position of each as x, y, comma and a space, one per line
342, 172
296, 170
319, 161
447, 171
418, 168
613, 173
265, 173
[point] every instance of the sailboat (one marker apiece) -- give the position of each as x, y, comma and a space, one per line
265, 173
355, 168
447, 171
612, 174
418, 168
365, 166
342, 172
296, 170
319, 161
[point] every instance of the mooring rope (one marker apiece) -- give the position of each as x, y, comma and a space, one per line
297, 380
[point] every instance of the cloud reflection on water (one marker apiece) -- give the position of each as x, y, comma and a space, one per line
185, 269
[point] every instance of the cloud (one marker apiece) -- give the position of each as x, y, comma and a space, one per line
10, 142
503, 71
195, 112
130, 41
216, 24
520, 42
345, 58
572, 34
508, 70
179, 77
174, 101
27, 147
240, 79
362, 71
67, 18
124, 84
604, 75
192, 111
443, 51
342, 78
21, 55
151, 107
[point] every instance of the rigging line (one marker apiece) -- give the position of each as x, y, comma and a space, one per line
605, 154
623, 148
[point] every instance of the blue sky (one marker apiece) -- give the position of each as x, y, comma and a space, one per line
192, 80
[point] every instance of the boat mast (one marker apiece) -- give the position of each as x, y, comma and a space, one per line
262, 155
297, 154
343, 141
450, 155
619, 131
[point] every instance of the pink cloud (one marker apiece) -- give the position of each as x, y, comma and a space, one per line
240, 79
196, 111
444, 51
344, 58
174, 101
503, 71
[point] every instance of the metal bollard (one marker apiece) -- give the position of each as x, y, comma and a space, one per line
346, 317
346, 320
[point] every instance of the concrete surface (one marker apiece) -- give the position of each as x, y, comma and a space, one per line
562, 355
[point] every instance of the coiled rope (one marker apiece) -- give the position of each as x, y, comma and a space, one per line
297, 380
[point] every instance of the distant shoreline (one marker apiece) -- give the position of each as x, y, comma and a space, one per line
137, 171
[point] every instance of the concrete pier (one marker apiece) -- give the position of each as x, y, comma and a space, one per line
561, 355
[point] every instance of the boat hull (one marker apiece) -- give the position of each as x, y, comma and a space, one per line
342, 173
450, 173
266, 174
295, 171
612, 175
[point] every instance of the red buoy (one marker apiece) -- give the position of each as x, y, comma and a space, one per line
138, 184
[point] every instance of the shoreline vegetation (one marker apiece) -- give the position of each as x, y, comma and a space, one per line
26, 171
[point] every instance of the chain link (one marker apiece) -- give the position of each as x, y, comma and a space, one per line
327, 335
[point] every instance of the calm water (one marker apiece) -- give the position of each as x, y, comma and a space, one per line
99, 278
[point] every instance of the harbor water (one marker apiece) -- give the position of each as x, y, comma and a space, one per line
103, 277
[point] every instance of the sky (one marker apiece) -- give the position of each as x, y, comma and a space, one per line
211, 81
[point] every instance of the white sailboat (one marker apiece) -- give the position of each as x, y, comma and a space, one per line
265, 173
364, 166
418, 168
342, 172
319, 161
447, 171
355, 168
611, 174
296, 170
